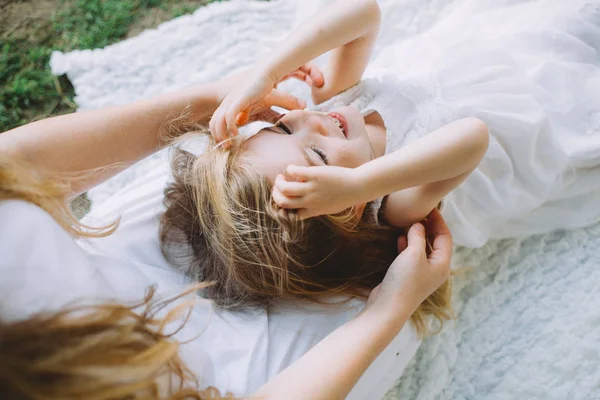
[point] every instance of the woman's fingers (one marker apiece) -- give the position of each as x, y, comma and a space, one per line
435, 224
242, 118
267, 115
402, 244
416, 238
232, 110
212, 125
218, 126
230, 121
440, 237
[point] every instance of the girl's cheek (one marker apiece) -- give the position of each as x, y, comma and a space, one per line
352, 155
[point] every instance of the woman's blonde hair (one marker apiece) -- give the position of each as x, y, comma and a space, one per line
221, 225
107, 351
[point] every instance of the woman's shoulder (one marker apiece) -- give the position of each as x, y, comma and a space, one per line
11, 210
23, 223
34, 250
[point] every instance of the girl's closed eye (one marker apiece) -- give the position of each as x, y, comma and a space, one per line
320, 153
283, 127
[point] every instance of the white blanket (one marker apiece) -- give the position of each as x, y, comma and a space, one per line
528, 311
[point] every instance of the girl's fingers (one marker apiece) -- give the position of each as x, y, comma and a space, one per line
298, 173
284, 100
291, 189
296, 75
308, 80
309, 73
315, 74
284, 201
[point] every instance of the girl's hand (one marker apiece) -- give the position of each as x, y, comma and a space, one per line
309, 73
414, 275
254, 92
319, 190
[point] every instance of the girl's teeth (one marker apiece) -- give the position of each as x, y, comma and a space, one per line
339, 124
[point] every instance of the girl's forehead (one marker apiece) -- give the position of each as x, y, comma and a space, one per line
272, 152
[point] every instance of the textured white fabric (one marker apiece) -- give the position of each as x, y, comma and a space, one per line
531, 71
237, 352
528, 324
528, 318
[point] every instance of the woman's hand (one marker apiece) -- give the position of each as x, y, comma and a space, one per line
251, 93
414, 275
319, 190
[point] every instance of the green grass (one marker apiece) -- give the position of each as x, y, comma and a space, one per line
182, 10
27, 88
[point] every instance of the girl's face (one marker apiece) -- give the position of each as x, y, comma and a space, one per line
309, 138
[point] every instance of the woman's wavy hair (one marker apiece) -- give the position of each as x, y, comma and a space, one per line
101, 352
222, 225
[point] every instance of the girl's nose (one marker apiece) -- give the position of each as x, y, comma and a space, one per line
317, 124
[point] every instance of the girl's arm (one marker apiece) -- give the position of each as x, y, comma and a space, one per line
405, 207
442, 155
98, 144
418, 175
348, 26
332, 367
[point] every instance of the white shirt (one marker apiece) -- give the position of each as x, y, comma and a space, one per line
43, 268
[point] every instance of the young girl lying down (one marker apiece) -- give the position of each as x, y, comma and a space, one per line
312, 203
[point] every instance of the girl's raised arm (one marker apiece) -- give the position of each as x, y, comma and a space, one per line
349, 27
416, 176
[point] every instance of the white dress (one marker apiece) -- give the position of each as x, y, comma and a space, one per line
531, 71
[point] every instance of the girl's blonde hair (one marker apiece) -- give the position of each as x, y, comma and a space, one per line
108, 351
221, 225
